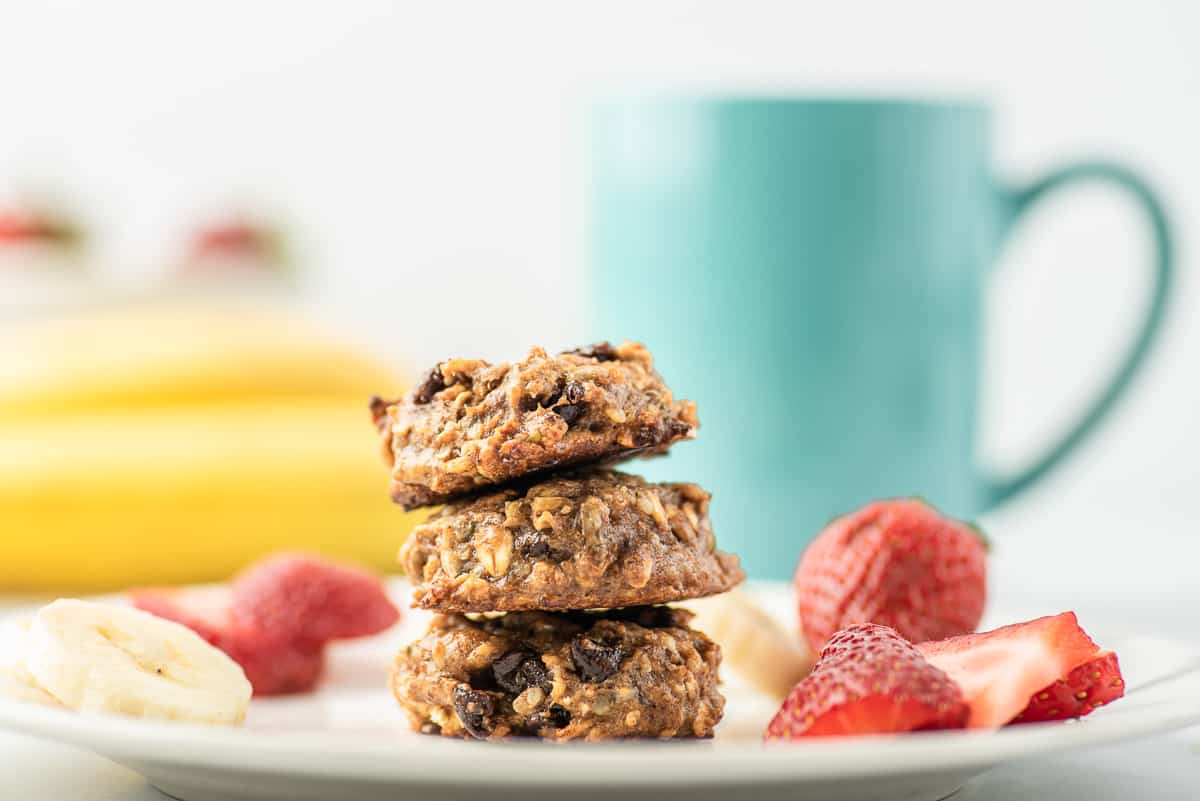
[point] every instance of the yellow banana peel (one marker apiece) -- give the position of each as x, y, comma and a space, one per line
190, 493
163, 354
171, 443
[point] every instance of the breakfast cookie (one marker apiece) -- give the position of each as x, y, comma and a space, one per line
471, 424
583, 539
638, 672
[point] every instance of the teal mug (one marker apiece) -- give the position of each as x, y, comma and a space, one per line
812, 274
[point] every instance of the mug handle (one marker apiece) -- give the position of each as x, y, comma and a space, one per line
1000, 488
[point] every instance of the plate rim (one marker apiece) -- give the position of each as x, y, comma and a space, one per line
433, 760
418, 760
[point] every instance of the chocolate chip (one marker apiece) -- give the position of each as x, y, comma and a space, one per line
601, 352
473, 708
570, 412
573, 392
594, 661
529, 403
533, 544
518, 670
645, 437
483, 680
434, 383
378, 407
558, 716
678, 428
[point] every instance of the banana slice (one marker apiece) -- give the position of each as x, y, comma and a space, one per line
753, 643
101, 658
15, 679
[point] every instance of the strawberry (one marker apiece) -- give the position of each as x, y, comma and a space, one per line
246, 242
278, 668
296, 596
276, 618
234, 236
1089, 686
26, 226
869, 680
204, 610
1005, 673
273, 667
898, 563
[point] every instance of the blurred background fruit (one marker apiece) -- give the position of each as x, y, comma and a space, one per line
174, 442
43, 256
156, 354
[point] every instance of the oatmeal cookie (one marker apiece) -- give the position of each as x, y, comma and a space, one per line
581, 540
471, 424
637, 672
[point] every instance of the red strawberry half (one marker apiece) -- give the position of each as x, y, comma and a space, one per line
278, 668
273, 666
898, 563
1044, 669
204, 610
298, 596
277, 617
869, 680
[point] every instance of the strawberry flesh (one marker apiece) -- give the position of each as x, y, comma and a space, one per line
869, 680
1002, 672
1085, 689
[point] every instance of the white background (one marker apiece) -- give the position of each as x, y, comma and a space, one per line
429, 156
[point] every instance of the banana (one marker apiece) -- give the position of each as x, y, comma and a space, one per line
15, 679
753, 643
175, 441
187, 494
103, 658
155, 355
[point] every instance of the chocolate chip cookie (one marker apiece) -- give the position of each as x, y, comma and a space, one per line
583, 539
471, 424
637, 672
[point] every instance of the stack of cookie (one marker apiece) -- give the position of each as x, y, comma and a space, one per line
546, 570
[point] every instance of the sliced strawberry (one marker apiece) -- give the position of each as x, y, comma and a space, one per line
898, 563
869, 680
1086, 688
1001, 671
293, 596
204, 610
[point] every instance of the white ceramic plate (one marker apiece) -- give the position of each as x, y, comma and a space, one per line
349, 741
